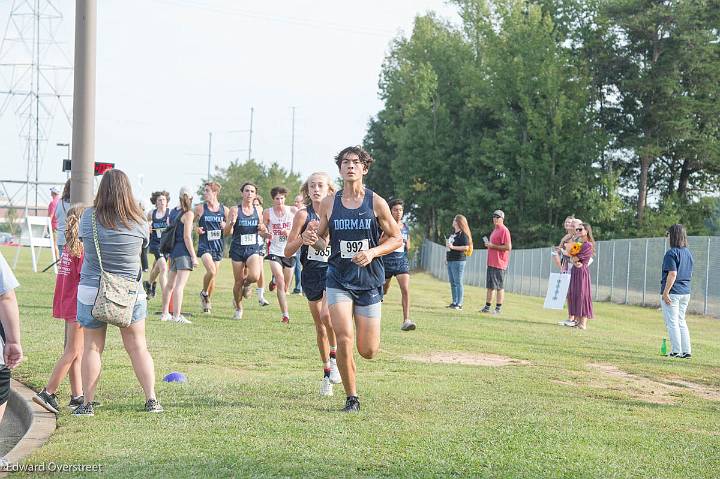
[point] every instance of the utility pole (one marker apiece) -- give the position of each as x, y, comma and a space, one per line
37, 102
83, 132
252, 111
209, 154
292, 144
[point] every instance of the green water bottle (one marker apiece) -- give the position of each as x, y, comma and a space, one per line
663, 348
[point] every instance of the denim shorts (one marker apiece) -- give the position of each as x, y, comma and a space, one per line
181, 263
86, 320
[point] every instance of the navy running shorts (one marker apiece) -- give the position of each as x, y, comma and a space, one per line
313, 283
396, 266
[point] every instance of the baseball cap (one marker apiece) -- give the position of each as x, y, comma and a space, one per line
186, 191
54, 190
499, 213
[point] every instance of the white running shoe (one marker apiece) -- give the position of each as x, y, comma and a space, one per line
263, 302
568, 322
334, 373
181, 319
238, 314
326, 387
166, 317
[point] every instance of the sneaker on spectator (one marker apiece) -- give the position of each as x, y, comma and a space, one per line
47, 400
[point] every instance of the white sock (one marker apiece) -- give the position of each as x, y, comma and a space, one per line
260, 292
286, 315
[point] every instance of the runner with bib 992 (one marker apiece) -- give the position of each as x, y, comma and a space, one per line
353, 218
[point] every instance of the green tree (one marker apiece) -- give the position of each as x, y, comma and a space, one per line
265, 178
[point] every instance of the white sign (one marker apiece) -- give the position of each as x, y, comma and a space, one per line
558, 285
37, 233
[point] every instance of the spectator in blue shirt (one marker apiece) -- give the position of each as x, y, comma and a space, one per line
677, 270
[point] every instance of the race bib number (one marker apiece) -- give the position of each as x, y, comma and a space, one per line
158, 233
349, 249
248, 239
214, 235
281, 239
316, 255
401, 249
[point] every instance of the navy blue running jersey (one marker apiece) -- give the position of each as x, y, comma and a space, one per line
212, 238
352, 231
157, 226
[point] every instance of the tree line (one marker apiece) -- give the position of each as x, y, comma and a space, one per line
605, 109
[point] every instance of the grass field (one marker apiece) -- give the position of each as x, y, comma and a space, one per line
595, 403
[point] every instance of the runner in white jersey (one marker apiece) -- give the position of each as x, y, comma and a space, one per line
279, 220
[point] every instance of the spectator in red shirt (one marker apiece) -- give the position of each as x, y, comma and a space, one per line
498, 246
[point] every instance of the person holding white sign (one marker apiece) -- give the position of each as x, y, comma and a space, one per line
211, 216
315, 264
279, 221
245, 227
353, 217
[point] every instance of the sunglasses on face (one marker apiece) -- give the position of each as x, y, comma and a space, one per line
579, 229
496, 216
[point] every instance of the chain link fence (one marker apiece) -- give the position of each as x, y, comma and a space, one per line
626, 271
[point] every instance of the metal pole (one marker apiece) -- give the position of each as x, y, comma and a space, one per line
37, 104
627, 276
209, 154
252, 111
612, 271
292, 145
597, 271
707, 277
522, 272
83, 132
645, 271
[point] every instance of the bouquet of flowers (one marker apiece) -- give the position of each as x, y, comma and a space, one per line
575, 249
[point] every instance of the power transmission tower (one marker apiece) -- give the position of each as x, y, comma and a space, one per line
35, 81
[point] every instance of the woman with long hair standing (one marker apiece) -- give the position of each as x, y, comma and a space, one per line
580, 292
458, 243
122, 231
182, 258
677, 269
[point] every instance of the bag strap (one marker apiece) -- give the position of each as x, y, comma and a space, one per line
97, 243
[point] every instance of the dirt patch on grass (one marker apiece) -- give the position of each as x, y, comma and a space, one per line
646, 389
472, 359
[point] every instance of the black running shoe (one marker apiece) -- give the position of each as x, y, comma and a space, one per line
47, 400
153, 288
675, 355
84, 410
451, 305
75, 402
152, 405
685, 356
147, 288
352, 404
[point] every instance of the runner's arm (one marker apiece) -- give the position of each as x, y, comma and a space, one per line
295, 241
228, 230
198, 212
187, 220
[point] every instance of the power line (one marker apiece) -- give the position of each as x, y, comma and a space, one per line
300, 22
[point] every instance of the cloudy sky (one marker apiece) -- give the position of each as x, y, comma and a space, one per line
170, 71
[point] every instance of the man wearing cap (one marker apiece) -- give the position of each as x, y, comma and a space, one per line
498, 246
55, 194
